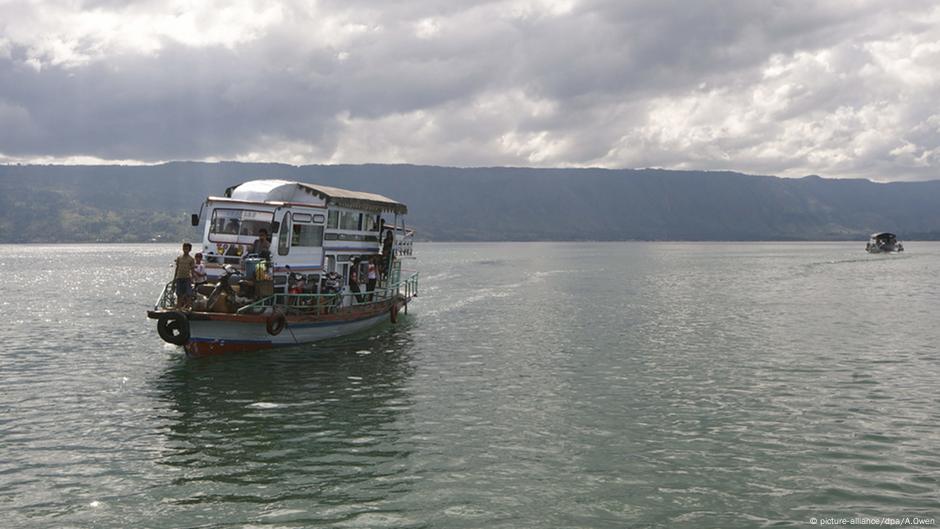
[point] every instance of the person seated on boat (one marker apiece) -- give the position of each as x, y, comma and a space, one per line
332, 282
262, 245
231, 227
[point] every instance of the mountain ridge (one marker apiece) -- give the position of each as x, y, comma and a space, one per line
113, 203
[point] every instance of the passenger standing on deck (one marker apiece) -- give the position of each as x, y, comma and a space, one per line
387, 253
183, 275
199, 273
372, 277
354, 280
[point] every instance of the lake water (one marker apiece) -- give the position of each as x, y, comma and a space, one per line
601, 385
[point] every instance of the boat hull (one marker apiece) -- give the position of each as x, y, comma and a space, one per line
216, 334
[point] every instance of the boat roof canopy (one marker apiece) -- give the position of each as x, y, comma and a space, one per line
883, 235
288, 191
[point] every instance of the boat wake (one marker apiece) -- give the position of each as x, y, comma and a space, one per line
868, 260
480, 295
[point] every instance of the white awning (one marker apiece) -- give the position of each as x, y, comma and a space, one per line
287, 191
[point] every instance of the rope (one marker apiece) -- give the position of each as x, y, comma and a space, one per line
287, 326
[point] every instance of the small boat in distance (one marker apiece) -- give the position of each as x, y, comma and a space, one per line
291, 263
884, 242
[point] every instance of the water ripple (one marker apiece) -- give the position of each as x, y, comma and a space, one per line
536, 385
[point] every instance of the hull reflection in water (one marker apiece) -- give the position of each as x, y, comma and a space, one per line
289, 431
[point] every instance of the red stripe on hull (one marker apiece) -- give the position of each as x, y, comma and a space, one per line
344, 315
255, 341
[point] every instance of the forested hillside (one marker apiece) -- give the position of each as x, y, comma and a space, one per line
121, 203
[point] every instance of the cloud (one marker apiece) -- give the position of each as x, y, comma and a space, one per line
792, 87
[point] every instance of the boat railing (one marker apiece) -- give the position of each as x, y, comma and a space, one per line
323, 303
409, 287
405, 242
167, 299
332, 302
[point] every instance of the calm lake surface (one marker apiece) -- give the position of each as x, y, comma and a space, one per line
601, 385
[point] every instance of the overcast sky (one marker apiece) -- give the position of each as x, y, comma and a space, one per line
839, 88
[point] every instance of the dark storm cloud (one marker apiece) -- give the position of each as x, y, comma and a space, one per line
786, 87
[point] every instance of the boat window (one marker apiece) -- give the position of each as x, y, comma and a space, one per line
319, 219
283, 241
307, 235
333, 223
350, 237
349, 220
239, 222
302, 217
329, 263
368, 223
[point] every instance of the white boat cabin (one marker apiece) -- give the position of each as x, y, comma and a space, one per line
313, 229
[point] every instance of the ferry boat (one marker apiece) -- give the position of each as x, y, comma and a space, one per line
304, 287
884, 242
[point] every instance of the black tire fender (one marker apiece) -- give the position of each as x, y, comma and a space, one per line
173, 327
275, 323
